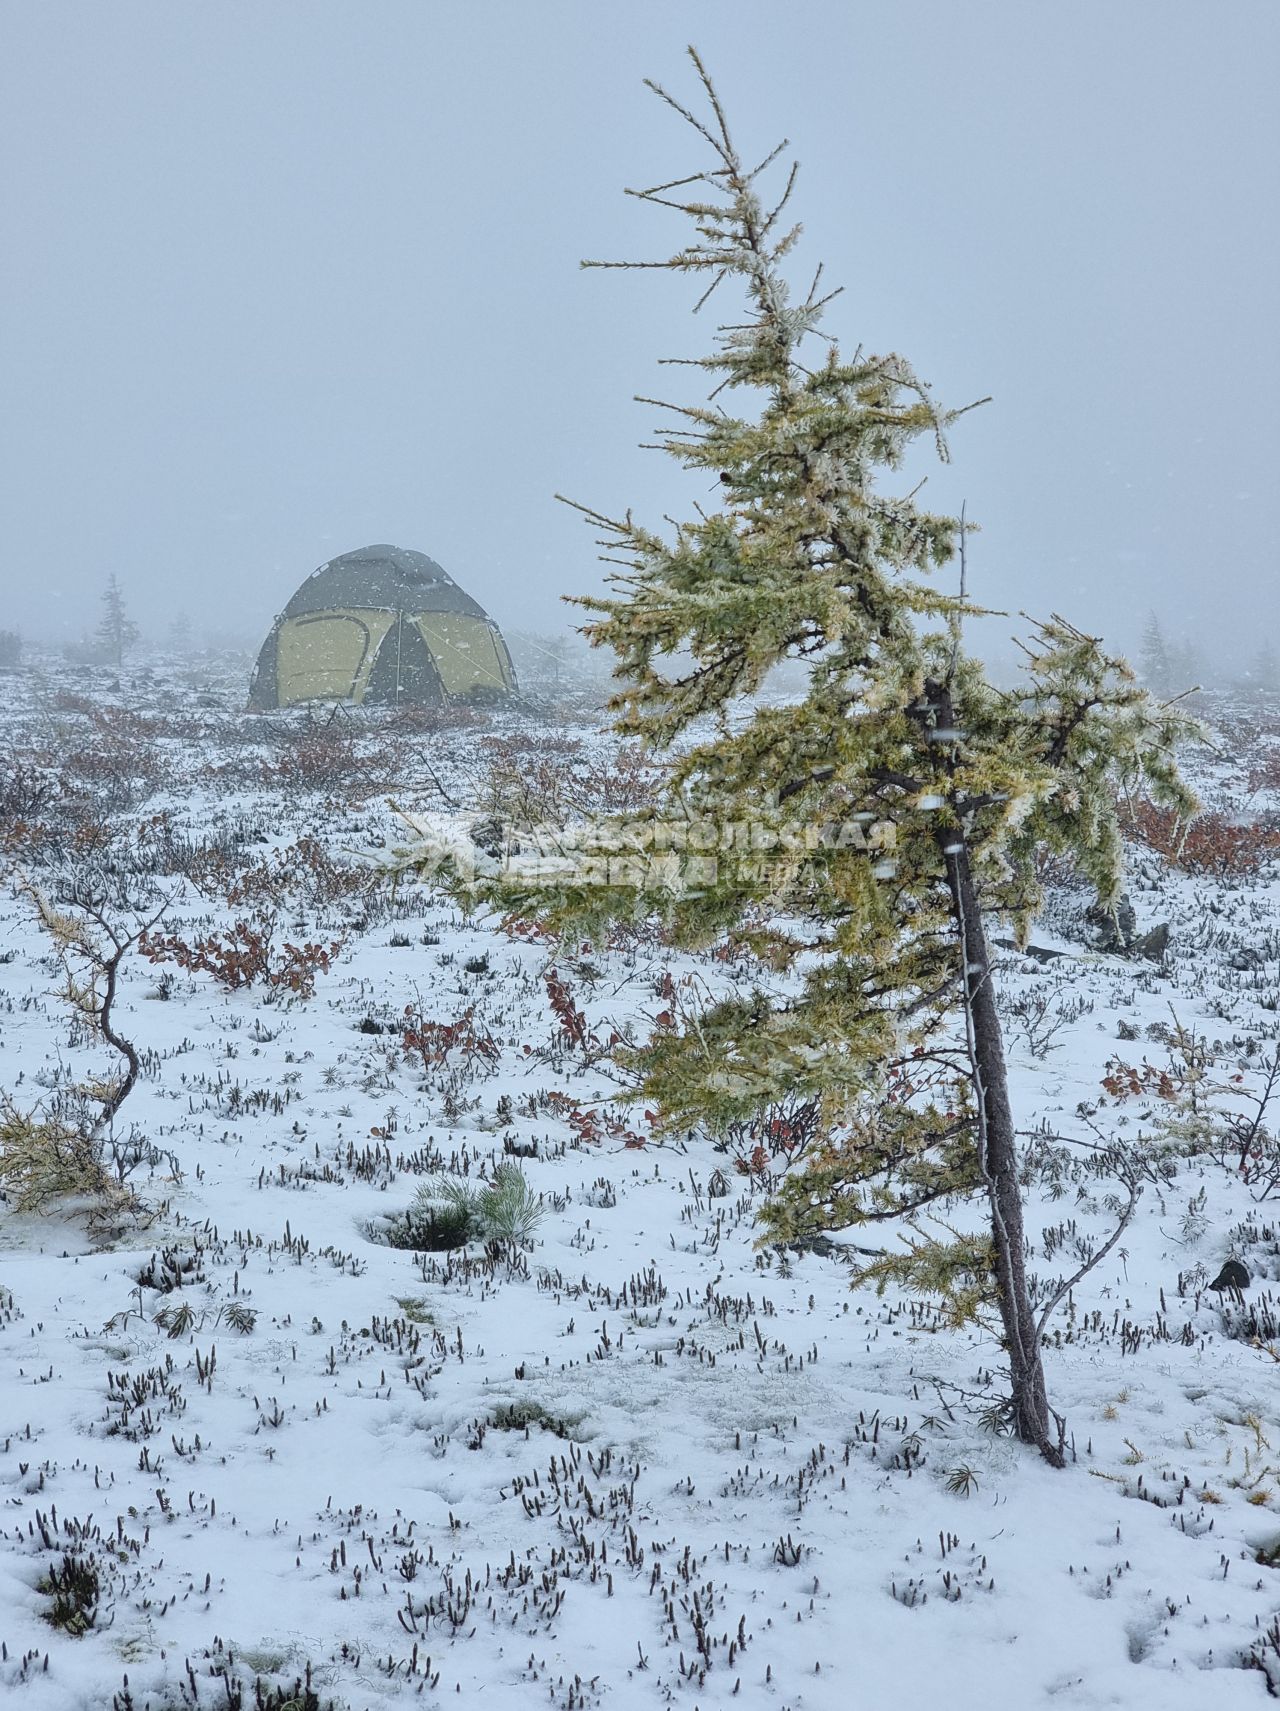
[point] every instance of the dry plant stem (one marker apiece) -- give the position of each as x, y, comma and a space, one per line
1064, 1289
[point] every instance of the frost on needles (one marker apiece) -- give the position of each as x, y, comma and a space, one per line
875, 994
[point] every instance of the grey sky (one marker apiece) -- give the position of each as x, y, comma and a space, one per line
282, 279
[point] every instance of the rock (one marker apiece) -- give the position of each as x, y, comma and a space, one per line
1041, 953
1153, 944
1116, 931
1246, 959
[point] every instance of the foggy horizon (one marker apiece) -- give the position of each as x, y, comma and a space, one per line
281, 283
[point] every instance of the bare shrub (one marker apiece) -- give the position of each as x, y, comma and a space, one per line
1265, 773
305, 873
91, 946
1040, 1016
70, 1150
117, 764
320, 757
537, 779
413, 719
28, 788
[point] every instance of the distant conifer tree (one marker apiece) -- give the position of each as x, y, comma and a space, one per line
116, 632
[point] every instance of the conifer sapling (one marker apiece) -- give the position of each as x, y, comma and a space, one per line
899, 801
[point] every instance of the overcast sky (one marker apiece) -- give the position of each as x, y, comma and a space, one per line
283, 279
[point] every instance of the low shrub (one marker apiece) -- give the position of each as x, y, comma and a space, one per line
1210, 845
320, 757
449, 1212
246, 955
435, 1042
28, 787
429, 1228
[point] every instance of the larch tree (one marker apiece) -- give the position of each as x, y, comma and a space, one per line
117, 632
900, 800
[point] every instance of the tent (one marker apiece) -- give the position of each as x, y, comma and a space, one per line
381, 626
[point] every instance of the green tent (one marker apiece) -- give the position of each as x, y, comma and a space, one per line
381, 626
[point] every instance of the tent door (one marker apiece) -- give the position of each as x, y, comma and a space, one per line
404, 670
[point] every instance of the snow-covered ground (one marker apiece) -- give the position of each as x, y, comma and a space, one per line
645, 1463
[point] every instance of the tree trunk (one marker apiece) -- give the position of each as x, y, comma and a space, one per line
1034, 1421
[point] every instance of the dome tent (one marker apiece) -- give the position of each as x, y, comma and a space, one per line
381, 626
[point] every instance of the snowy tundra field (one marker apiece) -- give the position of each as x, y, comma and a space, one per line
255, 1454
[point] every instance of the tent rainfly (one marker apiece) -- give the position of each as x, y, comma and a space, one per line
381, 626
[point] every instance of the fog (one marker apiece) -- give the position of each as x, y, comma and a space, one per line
282, 280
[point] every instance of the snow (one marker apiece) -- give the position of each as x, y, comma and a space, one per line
752, 1484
